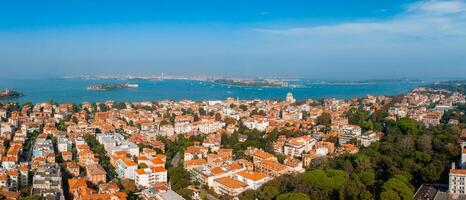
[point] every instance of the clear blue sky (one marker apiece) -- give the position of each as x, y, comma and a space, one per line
357, 39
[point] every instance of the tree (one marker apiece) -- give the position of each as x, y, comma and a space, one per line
247, 195
179, 178
330, 179
424, 143
185, 192
202, 111
142, 166
229, 120
218, 117
103, 107
128, 186
243, 107
268, 192
324, 119
293, 196
408, 126
120, 105
396, 188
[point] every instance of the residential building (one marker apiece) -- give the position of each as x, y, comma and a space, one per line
96, 174
229, 186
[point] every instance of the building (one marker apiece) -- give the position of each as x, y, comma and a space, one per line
254, 180
257, 122
67, 156
368, 138
349, 132
271, 168
116, 142
160, 192
96, 174
47, 182
206, 174
144, 178
229, 186
72, 168
259, 156
195, 152
457, 181
294, 147
63, 144
42, 147
125, 168
290, 98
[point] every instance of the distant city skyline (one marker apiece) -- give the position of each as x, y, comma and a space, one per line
298, 39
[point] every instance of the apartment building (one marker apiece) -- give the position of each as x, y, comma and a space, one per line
254, 180
147, 177
47, 182
271, 168
229, 186
294, 147
125, 168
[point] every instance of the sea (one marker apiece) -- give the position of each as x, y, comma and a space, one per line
74, 90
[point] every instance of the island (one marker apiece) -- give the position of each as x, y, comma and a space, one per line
112, 86
10, 94
274, 83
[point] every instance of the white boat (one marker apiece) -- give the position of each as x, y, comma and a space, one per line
132, 85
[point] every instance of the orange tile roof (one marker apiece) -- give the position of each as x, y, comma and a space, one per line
234, 166
458, 171
158, 169
274, 165
76, 183
110, 186
263, 154
254, 176
157, 161
196, 162
230, 182
140, 171
128, 162
142, 158
13, 172
23, 168
95, 169
218, 170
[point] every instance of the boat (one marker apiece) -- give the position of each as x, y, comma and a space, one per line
132, 85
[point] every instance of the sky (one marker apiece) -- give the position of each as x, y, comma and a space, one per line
331, 39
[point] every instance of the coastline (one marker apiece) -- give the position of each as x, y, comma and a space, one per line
72, 90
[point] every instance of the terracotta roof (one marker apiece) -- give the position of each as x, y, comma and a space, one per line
13, 172
254, 176
128, 162
230, 182
158, 169
140, 171
76, 183
218, 170
196, 162
458, 171
109, 186
263, 154
274, 165
95, 169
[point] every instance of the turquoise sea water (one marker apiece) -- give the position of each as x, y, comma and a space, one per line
74, 90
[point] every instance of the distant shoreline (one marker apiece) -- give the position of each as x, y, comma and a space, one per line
68, 90
10, 94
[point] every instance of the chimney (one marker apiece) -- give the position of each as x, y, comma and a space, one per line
453, 164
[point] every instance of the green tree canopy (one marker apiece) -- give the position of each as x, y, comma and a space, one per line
397, 188
293, 196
